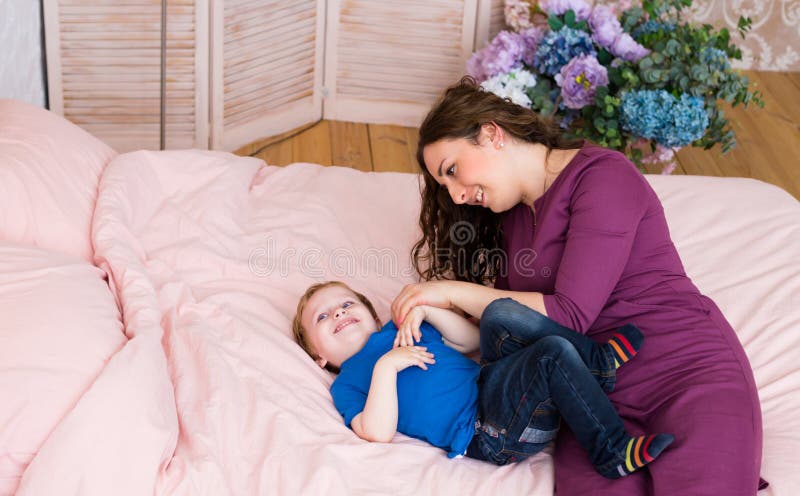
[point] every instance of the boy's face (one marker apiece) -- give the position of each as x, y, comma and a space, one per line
337, 324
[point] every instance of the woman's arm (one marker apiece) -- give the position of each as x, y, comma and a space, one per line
474, 298
469, 297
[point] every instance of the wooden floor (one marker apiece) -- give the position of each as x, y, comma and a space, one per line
768, 141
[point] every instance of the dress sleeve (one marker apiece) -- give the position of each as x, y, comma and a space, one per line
608, 202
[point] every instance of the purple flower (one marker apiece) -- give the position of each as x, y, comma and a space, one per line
559, 7
605, 26
579, 80
504, 53
625, 47
531, 38
475, 66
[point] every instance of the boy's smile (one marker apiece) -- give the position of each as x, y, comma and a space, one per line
344, 323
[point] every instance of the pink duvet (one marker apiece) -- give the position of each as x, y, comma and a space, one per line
206, 254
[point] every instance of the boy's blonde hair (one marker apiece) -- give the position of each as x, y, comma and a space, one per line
297, 325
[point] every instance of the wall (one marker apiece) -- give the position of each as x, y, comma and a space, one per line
773, 43
21, 56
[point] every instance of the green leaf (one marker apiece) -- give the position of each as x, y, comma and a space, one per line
569, 18
605, 57
651, 76
646, 63
724, 36
599, 124
554, 23
744, 25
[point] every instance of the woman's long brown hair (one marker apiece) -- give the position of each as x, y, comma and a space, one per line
462, 241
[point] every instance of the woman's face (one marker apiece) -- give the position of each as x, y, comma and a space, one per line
472, 174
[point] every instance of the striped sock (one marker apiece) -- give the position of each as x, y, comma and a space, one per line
625, 343
639, 451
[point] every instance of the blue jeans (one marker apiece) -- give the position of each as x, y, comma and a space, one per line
535, 372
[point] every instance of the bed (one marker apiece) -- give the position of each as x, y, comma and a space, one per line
145, 303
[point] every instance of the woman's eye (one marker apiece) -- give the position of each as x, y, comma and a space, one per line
451, 170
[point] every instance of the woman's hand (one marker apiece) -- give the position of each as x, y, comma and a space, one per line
432, 293
408, 333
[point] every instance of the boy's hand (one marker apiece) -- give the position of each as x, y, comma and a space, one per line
409, 332
406, 356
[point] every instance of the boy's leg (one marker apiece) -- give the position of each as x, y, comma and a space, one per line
523, 395
508, 326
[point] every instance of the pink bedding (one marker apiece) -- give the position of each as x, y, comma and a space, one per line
48, 179
58, 328
207, 254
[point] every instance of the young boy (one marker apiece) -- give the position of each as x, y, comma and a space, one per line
533, 373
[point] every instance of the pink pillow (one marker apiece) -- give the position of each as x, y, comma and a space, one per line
49, 172
59, 325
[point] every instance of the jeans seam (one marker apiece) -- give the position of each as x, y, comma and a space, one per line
593, 417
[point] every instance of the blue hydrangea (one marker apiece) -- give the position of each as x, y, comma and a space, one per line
657, 115
715, 59
652, 27
559, 47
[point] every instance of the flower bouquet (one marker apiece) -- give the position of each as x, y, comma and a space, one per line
634, 77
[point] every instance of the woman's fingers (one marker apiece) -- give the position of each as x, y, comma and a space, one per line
398, 300
401, 304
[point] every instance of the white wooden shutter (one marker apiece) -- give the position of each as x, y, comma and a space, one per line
266, 68
388, 61
104, 70
491, 20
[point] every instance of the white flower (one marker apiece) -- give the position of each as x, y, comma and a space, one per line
512, 85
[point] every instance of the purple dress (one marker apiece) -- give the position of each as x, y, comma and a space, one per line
601, 253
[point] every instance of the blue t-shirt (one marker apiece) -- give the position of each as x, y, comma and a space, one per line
438, 405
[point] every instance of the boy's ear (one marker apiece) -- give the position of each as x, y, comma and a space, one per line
321, 362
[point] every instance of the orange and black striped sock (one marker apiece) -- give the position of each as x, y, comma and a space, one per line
639, 451
625, 344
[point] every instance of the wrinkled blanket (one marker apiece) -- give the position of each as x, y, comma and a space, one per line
207, 254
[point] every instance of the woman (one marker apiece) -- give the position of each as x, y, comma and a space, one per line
575, 232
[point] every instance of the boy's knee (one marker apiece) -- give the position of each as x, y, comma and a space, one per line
499, 310
556, 346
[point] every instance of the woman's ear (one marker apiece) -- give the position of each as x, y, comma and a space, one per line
492, 134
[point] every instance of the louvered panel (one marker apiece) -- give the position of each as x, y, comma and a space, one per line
391, 60
104, 69
497, 21
491, 20
267, 69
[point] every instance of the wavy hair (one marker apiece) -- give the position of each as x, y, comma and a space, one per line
458, 241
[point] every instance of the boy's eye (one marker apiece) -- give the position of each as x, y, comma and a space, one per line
322, 316
347, 304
